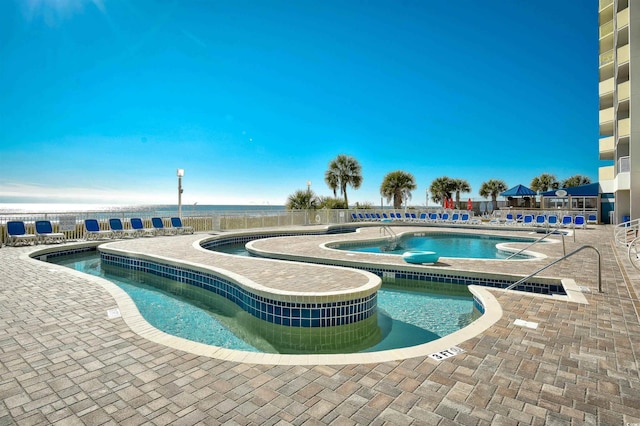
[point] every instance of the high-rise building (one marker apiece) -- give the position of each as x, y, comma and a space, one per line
619, 90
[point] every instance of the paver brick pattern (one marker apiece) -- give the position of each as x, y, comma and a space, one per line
62, 361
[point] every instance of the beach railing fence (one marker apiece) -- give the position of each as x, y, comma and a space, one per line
72, 223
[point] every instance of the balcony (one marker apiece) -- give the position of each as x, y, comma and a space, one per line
606, 173
622, 19
624, 91
606, 87
607, 148
608, 57
603, 4
623, 54
624, 128
606, 122
606, 29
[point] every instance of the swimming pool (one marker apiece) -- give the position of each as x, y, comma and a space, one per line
404, 318
456, 245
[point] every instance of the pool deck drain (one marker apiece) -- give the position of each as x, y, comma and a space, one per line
62, 361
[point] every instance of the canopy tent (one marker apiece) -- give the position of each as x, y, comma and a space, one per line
518, 191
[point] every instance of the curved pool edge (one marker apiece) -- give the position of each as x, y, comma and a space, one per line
137, 324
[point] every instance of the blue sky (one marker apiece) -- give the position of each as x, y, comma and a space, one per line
102, 100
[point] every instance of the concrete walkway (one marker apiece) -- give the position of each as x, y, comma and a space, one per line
63, 361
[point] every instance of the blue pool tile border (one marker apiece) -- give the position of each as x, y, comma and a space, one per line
389, 272
291, 314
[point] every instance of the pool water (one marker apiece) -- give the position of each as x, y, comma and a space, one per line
404, 318
445, 245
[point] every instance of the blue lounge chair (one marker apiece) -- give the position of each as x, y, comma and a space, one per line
176, 222
464, 218
567, 221
552, 220
579, 222
17, 234
455, 217
93, 231
423, 217
45, 233
138, 226
119, 231
434, 217
509, 219
527, 220
158, 225
444, 217
592, 218
541, 220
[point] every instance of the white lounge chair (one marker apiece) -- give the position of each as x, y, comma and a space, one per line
45, 233
176, 222
119, 231
93, 231
17, 234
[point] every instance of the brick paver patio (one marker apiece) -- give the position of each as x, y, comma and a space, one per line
63, 361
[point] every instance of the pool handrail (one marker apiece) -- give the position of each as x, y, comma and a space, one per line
537, 241
559, 260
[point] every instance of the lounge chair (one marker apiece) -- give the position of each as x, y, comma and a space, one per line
93, 231
579, 222
464, 218
176, 222
592, 218
541, 220
423, 217
354, 218
509, 219
17, 234
158, 225
434, 217
552, 220
119, 231
45, 233
138, 226
444, 217
455, 217
527, 220
567, 221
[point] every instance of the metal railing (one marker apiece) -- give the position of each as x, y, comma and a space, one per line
549, 232
517, 283
633, 252
624, 233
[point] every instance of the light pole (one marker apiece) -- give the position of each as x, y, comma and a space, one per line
180, 173
308, 186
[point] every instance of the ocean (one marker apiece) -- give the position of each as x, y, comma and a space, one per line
162, 210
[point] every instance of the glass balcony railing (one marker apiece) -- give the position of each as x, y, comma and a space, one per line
607, 57
624, 164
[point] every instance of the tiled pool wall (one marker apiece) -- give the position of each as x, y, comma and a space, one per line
293, 314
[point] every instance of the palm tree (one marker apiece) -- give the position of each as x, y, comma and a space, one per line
302, 199
441, 188
576, 180
397, 185
544, 182
460, 185
343, 170
492, 188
